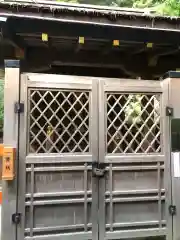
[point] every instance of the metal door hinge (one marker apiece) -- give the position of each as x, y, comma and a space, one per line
172, 210
98, 169
16, 218
169, 111
19, 107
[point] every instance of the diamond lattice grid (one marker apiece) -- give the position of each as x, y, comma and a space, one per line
133, 123
59, 121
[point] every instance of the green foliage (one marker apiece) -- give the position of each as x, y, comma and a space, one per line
161, 7
169, 8
133, 109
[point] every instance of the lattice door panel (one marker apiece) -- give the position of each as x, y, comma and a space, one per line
133, 123
58, 121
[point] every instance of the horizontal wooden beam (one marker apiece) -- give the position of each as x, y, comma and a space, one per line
138, 65
66, 27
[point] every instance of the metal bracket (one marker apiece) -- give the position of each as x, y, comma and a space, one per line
19, 107
98, 169
172, 210
169, 111
16, 218
12, 63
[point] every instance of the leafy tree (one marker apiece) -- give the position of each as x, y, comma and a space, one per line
161, 7
168, 7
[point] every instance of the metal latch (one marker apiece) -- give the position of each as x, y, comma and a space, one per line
169, 111
18, 107
172, 209
98, 169
16, 218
